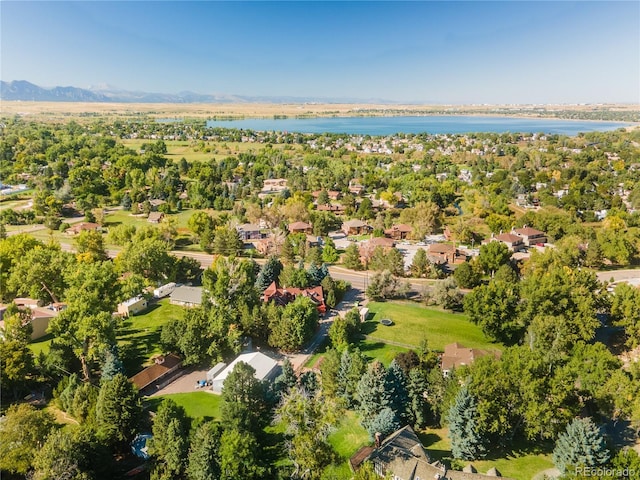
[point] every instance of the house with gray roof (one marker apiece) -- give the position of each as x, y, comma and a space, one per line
186, 296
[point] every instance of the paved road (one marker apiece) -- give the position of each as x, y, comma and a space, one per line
618, 275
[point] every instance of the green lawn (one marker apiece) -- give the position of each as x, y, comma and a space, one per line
346, 440
196, 404
139, 336
516, 465
42, 344
412, 323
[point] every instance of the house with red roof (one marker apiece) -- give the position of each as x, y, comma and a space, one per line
284, 296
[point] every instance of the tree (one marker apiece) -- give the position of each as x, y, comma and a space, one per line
204, 455
308, 422
22, 434
385, 423
384, 286
396, 388
70, 454
343, 329
625, 311
446, 294
90, 246
296, 326
352, 366
371, 393
420, 265
17, 366
580, 445
467, 442
243, 400
351, 258
492, 256
329, 254
323, 198
268, 273
149, 258
118, 411
466, 276
112, 364
169, 446
287, 379
418, 407
495, 308
239, 455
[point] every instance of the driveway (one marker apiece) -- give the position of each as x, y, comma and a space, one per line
184, 384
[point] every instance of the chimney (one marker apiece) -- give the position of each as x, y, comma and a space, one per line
378, 437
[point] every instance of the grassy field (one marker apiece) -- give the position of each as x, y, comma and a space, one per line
196, 404
412, 323
139, 335
346, 440
41, 344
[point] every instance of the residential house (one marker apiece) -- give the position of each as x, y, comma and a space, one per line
265, 368
132, 306
284, 296
336, 209
155, 217
266, 246
249, 231
82, 227
530, 236
274, 185
40, 316
186, 296
399, 232
456, 356
355, 227
332, 194
155, 203
401, 456
514, 242
300, 227
445, 254
164, 370
367, 248
355, 187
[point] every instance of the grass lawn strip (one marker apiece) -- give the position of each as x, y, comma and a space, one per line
413, 323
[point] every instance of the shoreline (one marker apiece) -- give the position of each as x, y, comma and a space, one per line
199, 111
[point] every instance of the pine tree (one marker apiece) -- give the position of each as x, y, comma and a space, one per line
118, 410
385, 422
287, 379
203, 456
396, 388
418, 404
268, 273
112, 364
169, 447
371, 393
581, 444
467, 443
351, 257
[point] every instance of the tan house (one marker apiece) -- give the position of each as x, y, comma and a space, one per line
330, 207
355, 227
155, 217
132, 306
514, 242
530, 236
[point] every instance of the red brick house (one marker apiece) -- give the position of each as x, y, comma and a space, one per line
284, 296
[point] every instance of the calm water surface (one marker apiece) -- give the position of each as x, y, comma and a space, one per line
418, 124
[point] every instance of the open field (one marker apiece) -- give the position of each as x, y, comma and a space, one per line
412, 323
139, 336
88, 111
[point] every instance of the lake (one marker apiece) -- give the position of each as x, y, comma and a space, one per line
418, 124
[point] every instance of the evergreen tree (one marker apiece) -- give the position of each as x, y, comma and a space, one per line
239, 456
385, 422
309, 383
118, 411
351, 258
268, 273
112, 364
287, 379
169, 446
315, 274
396, 390
580, 445
287, 251
467, 443
204, 453
371, 393
418, 404
243, 400
420, 265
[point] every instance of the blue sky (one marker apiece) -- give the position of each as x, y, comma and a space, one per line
418, 51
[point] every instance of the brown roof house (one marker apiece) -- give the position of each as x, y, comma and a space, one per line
401, 456
514, 242
283, 296
530, 236
445, 254
301, 227
456, 356
355, 227
155, 217
399, 232
81, 227
165, 369
249, 231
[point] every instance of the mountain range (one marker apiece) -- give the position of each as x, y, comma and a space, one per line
21, 90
